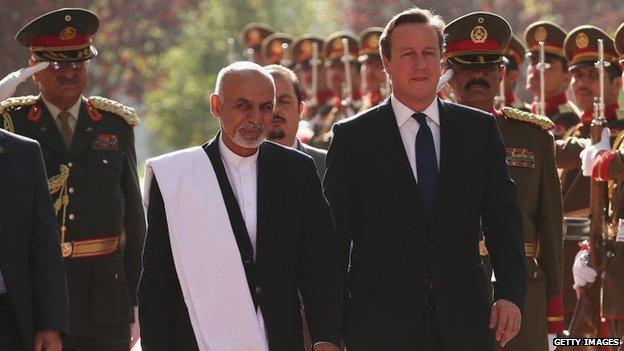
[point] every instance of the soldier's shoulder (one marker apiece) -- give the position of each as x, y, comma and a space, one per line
114, 108
568, 108
17, 103
539, 122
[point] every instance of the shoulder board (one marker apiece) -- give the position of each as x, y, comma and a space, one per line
114, 107
565, 108
17, 102
619, 113
542, 122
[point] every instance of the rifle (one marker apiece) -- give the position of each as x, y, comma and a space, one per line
542, 66
586, 319
286, 61
232, 56
347, 66
315, 62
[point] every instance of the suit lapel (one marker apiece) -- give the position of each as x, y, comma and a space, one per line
449, 136
268, 182
46, 132
394, 150
84, 132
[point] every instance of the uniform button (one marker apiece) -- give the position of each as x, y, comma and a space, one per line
116, 276
534, 275
71, 190
71, 216
258, 290
104, 161
70, 165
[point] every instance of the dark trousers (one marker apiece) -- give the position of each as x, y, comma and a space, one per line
88, 344
9, 339
430, 332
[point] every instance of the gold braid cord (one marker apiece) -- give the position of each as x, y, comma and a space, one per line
11, 103
58, 185
104, 104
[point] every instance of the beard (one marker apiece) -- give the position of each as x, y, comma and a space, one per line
242, 141
276, 134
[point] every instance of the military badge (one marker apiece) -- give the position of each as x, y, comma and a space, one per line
68, 33
581, 40
95, 115
34, 114
105, 142
478, 34
519, 157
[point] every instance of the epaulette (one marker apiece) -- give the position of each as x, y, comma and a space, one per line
18, 101
565, 108
542, 122
7, 122
108, 105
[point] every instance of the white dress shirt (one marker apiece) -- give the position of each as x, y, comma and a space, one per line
408, 127
242, 172
55, 111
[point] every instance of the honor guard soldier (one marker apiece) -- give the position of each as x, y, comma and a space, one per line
514, 54
88, 148
607, 164
275, 49
252, 36
307, 55
375, 84
475, 47
341, 50
563, 113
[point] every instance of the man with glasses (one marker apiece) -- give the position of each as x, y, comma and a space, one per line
88, 149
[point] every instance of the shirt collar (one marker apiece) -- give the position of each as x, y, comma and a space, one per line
404, 113
55, 111
232, 158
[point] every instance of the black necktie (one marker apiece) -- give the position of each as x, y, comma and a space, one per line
426, 163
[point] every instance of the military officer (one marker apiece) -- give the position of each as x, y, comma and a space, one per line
252, 36
375, 85
272, 49
609, 166
88, 148
515, 54
475, 47
559, 109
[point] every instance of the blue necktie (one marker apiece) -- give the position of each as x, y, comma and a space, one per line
426, 163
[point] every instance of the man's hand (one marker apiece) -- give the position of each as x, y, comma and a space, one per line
582, 273
590, 154
9, 83
506, 319
48, 340
135, 329
325, 346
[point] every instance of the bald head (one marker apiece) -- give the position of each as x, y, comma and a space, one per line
243, 101
238, 71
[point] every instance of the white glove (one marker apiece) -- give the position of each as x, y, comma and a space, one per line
444, 79
551, 337
590, 153
582, 273
9, 83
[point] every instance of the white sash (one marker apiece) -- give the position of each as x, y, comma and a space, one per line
206, 256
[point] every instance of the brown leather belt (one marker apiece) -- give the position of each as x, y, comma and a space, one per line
529, 248
90, 248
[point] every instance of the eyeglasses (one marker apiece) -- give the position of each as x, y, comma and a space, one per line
57, 66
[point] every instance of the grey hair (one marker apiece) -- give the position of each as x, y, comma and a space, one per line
241, 67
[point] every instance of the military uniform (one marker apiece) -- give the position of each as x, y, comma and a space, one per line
95, 187
515, 54
273, 50
369, 51
563, 113
479, 40
252, 36
341, 105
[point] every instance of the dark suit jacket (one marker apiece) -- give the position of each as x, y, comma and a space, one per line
398, 254
318, 155
297, 247
30, 254
104, 200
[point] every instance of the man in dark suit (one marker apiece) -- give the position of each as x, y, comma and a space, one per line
88, 149
410, 183
281, 223
289, 107
33, 291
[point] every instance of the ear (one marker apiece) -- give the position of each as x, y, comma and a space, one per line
302, 107
567, 78
215, 106
386, 65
